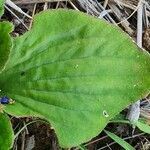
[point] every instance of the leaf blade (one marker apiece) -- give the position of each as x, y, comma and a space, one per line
5, 42
7, 135
70, 72
1, 7
143, 127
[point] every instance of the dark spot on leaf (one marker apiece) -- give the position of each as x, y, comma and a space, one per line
22, 73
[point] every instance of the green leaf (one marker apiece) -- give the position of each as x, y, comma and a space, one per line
5, 42
120, 141
6, 132
143, 127
81, 147
75, 71
141, 124
1, 7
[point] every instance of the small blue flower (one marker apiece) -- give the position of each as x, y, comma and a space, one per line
6, 100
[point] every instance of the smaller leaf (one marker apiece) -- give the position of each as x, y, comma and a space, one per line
6, 132
81, 147
5, 42
143, 127
120, 141
120, 121
139, 124
1, 7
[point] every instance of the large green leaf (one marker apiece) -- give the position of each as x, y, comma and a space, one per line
6, 132
5, 42
1, 7
76, 71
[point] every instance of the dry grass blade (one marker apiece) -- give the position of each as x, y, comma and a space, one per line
12, 5
118, 13
105, 3
35, 1
33, 13
93, 7
16, 17
140, 1
72, 4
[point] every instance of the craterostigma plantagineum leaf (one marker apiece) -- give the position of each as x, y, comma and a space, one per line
75, 71
5, 42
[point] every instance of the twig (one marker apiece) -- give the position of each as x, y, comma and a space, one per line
33, 13
119, 16
15, 144
57, 5
35, 1
105, 3
126, 4
63, 5
45, 6
99, 139
139, 25
14, 6
145, 18
132, 12
16, 17
94, 8
145, 114
92, 142
132, 6
23, 140
72, 4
